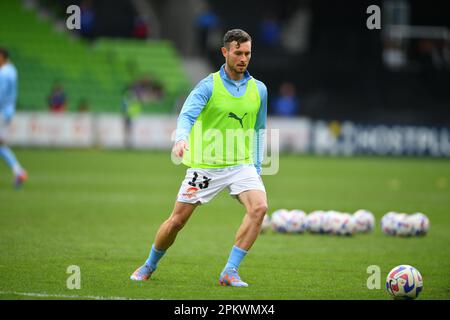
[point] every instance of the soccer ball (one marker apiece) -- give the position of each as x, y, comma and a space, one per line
333, 222
420, 224
389, 223
403, 225
404, 282
297, 221
278, 220
286, 221
265, 224
364, 220
346, 226
315, 221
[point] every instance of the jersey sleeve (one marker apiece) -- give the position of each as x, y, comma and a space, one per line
260, 126
8, 92
193, 106
3, 90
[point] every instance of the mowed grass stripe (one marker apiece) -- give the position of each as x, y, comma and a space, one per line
101, 209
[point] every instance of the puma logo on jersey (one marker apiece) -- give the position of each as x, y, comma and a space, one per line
234, 116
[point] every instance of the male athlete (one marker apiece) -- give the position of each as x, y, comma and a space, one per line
8, 94
229, 100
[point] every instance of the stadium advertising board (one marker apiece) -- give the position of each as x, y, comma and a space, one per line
350, 139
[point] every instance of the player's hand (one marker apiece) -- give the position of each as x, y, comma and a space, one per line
179, 148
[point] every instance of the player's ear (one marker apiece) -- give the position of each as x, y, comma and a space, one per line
224, 51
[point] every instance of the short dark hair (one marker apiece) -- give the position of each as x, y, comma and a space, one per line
238, 35
4, 52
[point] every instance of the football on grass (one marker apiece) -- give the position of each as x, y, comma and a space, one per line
404, 282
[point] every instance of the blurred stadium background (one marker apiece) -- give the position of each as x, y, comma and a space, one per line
318, 59
335, 88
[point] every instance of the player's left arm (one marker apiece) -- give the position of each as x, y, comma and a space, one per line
3, 90
260, 126
7, 108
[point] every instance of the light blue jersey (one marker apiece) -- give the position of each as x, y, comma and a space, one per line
199, 97
8, 90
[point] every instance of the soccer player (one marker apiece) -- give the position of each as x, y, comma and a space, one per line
8, 94
227, 100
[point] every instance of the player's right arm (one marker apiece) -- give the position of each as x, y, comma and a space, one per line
193, 106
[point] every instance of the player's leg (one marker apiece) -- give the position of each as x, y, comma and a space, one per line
255, 203
198, 186
165, 237
20, 175
168, 231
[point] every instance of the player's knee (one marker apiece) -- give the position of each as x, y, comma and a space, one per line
176, 223
258, 211
261, 209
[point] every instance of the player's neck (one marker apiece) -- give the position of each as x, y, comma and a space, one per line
233, 75
4, 62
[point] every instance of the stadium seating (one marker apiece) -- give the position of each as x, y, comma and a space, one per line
97, 73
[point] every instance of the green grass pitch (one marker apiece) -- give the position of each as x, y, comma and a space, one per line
100, 210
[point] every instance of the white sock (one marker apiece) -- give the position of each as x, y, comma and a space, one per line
17, 169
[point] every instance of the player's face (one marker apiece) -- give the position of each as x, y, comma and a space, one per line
238, 56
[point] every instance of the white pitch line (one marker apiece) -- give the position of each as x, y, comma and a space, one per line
47, 295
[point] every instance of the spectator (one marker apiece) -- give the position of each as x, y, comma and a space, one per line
87, 19
270, 31
131, 108
146, 90
57, 99
141, 29
206, 22
287, 103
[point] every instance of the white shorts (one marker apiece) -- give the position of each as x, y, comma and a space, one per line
202, 185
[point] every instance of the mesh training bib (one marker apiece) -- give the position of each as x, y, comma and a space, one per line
223, 134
